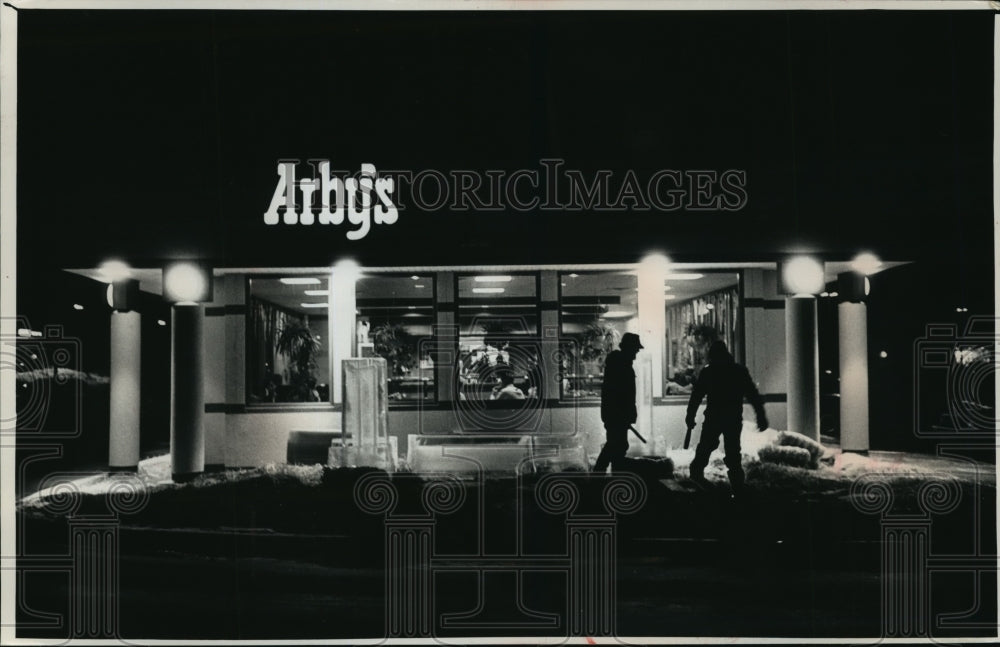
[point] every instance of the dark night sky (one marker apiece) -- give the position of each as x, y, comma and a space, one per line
151, 134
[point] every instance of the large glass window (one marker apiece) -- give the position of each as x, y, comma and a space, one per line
395, 321
287, 345
700, 308
596, 309
499, 351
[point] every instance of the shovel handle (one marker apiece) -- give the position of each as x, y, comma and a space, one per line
636, 432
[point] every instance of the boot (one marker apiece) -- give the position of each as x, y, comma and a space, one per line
737, 482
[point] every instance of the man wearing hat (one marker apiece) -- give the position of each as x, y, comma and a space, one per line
618, 410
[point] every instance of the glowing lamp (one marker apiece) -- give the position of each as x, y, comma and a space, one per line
348, 269
866, 263
802, 275
187, 282
114, 270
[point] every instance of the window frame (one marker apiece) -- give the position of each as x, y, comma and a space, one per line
260, 407
534, 336
432, 274
740, 333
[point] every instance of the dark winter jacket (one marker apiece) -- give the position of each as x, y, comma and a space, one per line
726, 384
618, 391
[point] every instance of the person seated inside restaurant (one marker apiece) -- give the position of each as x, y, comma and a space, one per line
506, 389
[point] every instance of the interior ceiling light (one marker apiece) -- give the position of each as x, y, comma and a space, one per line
685, 276
300, 280
497, 278
487, 290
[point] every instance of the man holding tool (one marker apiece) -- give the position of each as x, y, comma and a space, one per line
725, 383
618, 411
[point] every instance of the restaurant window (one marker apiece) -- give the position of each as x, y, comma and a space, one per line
395, 321
700, 308
499, 349
287, 345
596, 309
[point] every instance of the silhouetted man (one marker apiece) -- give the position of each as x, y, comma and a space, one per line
725, 383
618, 402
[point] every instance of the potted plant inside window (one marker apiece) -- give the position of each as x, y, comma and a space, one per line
298, 343
394, 344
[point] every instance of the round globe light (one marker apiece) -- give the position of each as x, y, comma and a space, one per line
656, 260
347, 269
115, 270
803, 275
866, 263
185, 283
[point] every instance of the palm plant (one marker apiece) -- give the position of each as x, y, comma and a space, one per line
393, 343
297, 342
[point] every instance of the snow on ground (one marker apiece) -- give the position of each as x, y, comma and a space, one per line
846, 467
154, 473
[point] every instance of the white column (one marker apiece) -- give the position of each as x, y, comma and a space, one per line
126, 344
187, 393
653, 321
853, 327
652, 358
342, 325
802, 353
